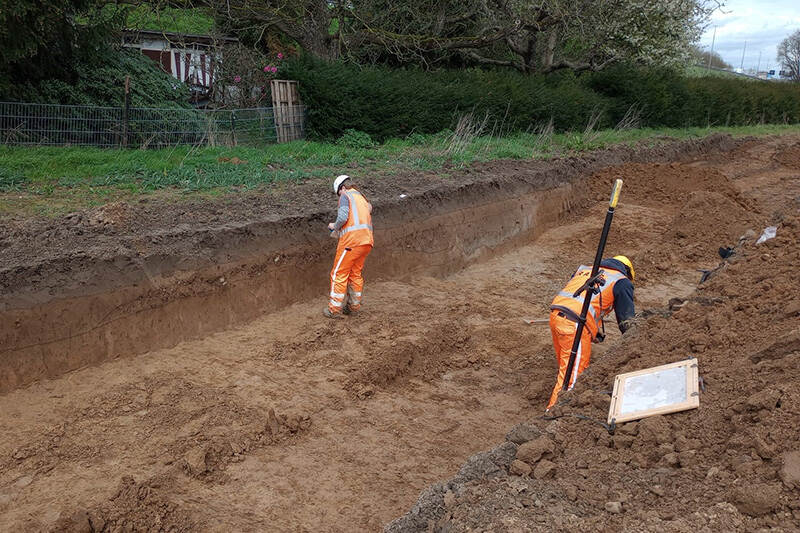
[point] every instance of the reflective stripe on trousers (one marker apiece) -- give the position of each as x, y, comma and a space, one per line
346, 277
337, 298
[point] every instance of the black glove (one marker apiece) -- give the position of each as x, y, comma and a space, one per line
600, 337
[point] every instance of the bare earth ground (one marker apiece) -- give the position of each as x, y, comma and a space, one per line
294, 423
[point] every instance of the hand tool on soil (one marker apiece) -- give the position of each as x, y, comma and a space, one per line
594, 282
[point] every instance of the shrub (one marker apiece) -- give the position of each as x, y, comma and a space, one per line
101, 81
393, 103
356, 139
384, 103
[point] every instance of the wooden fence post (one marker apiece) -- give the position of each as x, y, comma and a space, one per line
125, 111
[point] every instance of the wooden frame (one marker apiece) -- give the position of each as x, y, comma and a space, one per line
692, 400
287, 109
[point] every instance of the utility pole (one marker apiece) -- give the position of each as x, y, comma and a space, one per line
759, 63
713, 38
741, 65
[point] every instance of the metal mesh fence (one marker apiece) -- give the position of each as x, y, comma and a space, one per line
62, 125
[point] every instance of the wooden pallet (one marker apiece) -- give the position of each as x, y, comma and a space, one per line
288, 110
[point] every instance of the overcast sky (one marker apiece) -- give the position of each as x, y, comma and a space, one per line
762, 23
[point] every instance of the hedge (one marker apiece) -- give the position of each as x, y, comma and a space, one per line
389, 103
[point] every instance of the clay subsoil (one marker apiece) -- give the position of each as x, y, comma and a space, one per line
287, 422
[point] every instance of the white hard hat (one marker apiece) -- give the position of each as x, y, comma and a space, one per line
338, 182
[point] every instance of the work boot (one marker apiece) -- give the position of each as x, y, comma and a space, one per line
350, 311
328, 314
346, 305
348, 308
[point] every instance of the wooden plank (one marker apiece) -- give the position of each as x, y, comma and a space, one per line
692, 400
293, 97
273, 95
289, 101
287, 125
285, 111
277, 110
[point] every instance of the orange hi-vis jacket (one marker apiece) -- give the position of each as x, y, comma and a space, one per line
602, 302
357, 231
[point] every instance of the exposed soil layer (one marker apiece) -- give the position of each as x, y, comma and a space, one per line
294, 423
731, 465
122, 280
789, 157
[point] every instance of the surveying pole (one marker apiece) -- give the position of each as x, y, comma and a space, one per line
594, 282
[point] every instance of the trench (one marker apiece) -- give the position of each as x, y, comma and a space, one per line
152, 304
370, 410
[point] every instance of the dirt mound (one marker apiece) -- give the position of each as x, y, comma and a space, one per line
424, 355
730, 465
712, 217
145, 506
660, 183
790, 157
707, 221
709, 212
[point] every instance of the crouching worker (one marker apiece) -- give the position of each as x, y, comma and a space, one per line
353, 227
615, 293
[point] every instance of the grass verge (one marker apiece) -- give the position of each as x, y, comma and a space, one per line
53, 180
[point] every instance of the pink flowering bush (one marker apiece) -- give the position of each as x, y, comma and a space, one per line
243, 76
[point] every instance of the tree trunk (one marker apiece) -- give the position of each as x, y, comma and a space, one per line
549, 51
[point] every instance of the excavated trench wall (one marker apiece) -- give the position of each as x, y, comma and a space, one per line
160, 301
79, 309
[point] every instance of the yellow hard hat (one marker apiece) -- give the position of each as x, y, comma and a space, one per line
627, 262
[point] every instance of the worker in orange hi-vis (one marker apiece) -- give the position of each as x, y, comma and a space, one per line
615, 292
353, 227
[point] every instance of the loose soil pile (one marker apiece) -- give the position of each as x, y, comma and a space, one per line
731, 465
789, 157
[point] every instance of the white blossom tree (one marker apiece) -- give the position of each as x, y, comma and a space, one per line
528, 35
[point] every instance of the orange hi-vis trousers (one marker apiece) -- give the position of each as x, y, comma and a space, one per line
346, 277
563, 330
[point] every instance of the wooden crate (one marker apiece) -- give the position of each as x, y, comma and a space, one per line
288, 110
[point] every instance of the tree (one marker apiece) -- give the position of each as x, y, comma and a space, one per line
540, 35
705, 58
789, 55
528, 35
46, 40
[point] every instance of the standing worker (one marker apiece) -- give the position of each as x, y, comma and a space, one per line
353, 227
616, 291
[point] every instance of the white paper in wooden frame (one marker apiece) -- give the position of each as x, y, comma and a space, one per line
655, 391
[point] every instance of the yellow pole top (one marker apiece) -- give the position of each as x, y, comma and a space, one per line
615, 193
